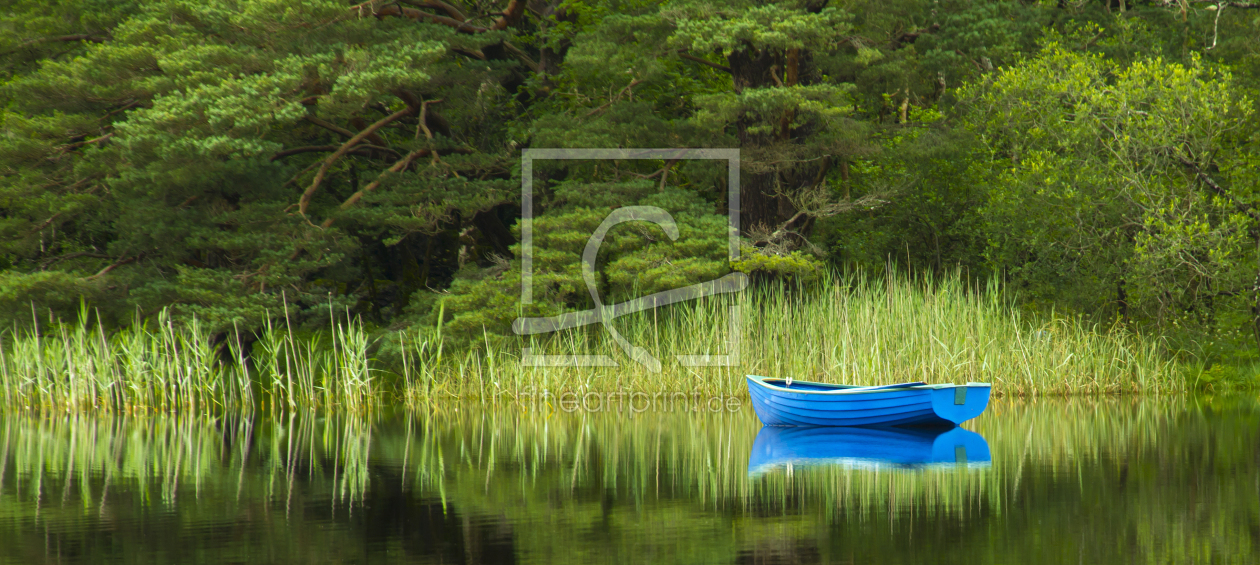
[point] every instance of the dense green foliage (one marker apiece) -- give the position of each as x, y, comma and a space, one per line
229, 159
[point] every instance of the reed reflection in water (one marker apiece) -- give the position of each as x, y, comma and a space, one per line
1152, 480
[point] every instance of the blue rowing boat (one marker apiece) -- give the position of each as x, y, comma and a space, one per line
779, 447
779, 402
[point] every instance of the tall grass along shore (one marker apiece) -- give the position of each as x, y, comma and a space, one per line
846, 329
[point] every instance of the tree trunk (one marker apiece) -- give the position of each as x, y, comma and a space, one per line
1122, 302
760, 206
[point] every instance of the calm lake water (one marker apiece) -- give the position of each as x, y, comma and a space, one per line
1052, 481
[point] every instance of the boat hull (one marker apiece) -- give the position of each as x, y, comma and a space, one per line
804, 403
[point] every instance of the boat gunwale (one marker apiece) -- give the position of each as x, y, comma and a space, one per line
760, 380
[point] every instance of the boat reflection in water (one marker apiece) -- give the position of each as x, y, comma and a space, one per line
780, 447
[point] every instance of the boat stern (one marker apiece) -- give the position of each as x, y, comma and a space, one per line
959, 403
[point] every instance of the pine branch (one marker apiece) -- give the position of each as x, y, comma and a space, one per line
528, 62
1219, 5
513, 13
615, 98
120, 262
60, 39
688, 56
305, 201
299, 150
43, 266
129, 105
45, 223
450, 10
361, 149
473, 53
78, 144
508, 17
398, 167
413, 14
328, 126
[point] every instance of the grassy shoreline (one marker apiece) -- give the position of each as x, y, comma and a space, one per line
846, 329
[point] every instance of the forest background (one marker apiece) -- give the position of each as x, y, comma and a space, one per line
247, 161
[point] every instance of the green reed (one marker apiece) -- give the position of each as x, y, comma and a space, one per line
161, 366
846, 329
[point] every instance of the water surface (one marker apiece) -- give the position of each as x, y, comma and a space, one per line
1081, 481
